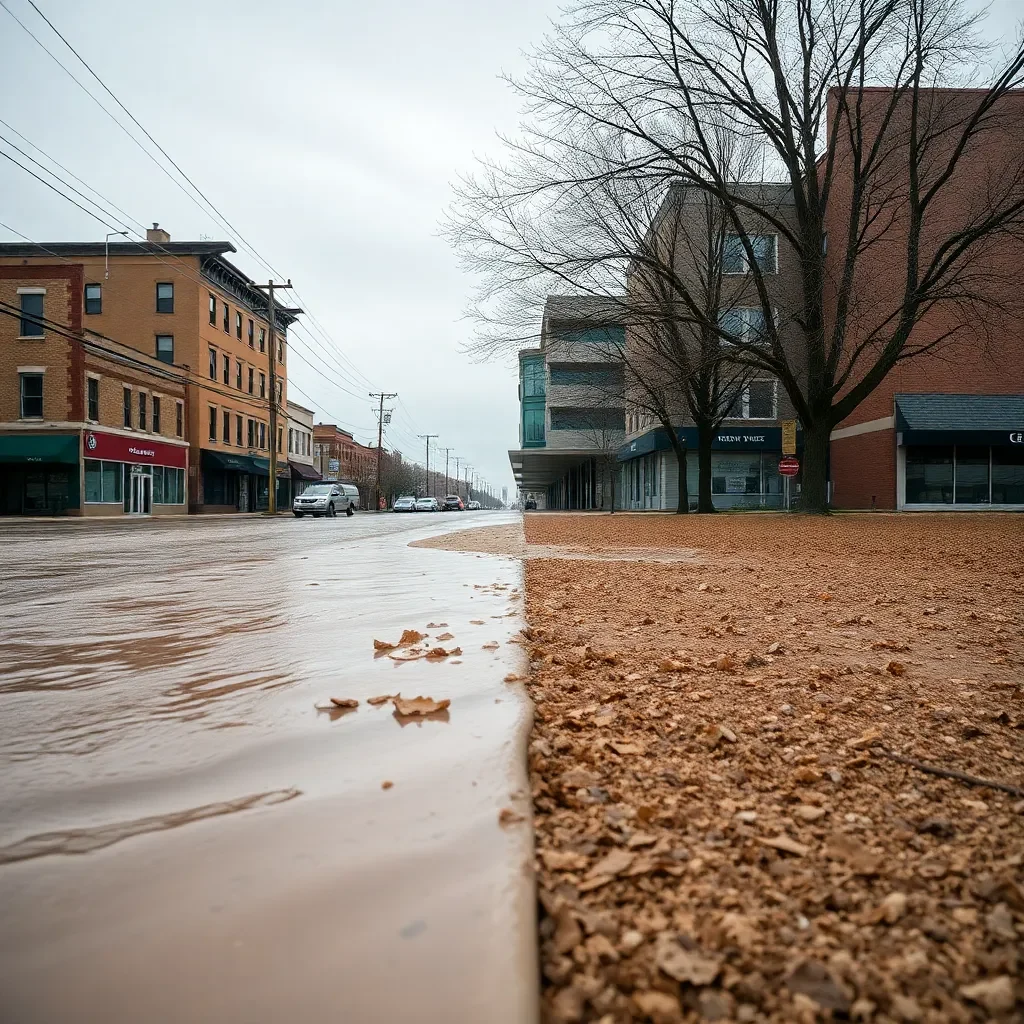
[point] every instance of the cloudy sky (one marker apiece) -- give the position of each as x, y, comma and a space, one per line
328, 133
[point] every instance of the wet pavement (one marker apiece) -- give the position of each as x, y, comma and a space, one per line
184, 837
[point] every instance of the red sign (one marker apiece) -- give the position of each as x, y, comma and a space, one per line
789, 466
142, 450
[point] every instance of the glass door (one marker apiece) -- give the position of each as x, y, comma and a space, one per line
142, 494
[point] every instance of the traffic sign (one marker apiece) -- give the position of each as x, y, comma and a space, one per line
789, 466
789, 437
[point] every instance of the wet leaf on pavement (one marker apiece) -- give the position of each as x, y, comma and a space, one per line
409, 654
382, 699
344, 702
409, 637
508, 816
418, 705
383, 645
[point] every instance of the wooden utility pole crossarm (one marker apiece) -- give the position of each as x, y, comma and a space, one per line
380, 434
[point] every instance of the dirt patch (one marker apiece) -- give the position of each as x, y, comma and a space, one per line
491, 540
722, 830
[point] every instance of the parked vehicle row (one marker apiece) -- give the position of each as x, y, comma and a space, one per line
451, 503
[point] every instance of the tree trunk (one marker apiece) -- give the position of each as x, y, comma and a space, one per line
611, 486
705, 435
814, 469
683, 502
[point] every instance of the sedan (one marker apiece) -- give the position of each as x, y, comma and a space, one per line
405, 504
427, 505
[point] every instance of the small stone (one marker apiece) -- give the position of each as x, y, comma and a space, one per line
786, 709
807, 812
995, 994
999, 921
905, 1008
661, 1007
748, 817
965, 915
630, 941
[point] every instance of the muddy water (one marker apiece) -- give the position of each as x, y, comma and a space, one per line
183, 837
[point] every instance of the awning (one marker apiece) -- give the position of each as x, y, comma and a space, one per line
960, 419
739, 439
302, 471
39, 448
231, 463
535, 469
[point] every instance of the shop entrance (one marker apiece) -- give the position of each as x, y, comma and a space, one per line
141, 498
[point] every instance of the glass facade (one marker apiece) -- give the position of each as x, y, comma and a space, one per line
964, 475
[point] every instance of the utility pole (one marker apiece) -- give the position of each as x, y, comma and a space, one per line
447, 454
272, 367
469, 490
427, 438
457, 480
380, 432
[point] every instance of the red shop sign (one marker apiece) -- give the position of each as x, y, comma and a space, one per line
143, 450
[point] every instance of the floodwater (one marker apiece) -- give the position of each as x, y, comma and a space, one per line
184, 837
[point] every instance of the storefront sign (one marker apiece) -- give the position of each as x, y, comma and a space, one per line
1016, 437
118, 448
789, 437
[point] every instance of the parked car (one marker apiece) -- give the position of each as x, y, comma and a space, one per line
427, 505
404, 504
531, 504
473, 506
452, 503
326, 500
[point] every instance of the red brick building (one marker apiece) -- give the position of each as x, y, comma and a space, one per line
339, 456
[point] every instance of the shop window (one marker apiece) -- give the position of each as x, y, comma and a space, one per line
1008, 476
238, 324
213, 309
165, 297
142, 410
31, 324
929, 475
93, 395
736, 473
165, 348
127, 395
213, 364
238, 375
227, 319
168, 486
179, 419
213, 423
226, 427
31, 385
765, 252
93, 298
102, 481
533, 426
156, 415
970, 485
238, 431
227, 371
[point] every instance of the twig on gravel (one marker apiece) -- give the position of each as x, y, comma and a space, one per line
950, 773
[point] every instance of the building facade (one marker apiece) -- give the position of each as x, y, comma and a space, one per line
300, 450
185, 307
88, 427
337, 455
572, 406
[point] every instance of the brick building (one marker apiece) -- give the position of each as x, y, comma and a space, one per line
300, 449
88, 426
183, 307
337, 455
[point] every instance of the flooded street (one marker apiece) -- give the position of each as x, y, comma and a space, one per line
184, 837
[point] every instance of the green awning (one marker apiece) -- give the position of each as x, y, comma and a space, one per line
230, 463
61, 448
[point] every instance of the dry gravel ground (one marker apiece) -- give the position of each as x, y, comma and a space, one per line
720, 832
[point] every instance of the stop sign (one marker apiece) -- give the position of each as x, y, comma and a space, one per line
789, 466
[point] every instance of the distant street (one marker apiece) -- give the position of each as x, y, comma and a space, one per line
183, 837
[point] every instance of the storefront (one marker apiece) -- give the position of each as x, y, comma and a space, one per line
960, 452
302, 475
132, 475
744, 469
39, 474
239, 483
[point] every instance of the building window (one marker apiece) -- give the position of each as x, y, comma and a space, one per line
930, 475
156, 415
280, 436
291, 441
238, 431
263, 434
280, 351
533, 426
756, 401
165, 348
227, 319
168, 486
607, 375
142, 410
213, 309
226, 427
93, 395
179, 419
533, 378
127, 407
213, 423
251, 329
263, 385
31, 396
93, 298
31, 314
251, 377
102, 482
280, 386
238, 324
213, 364
597, 419
744, 325
165, 297
227, 371
765, 250
1008, 476
251, 434
971, 481
238, 375
263, 339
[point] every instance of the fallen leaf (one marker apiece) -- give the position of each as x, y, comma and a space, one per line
775, 648
446, 636
476, 622
507, 816
717, 733
409, 637
418, 705
409, 654
511, 678
492, 646
436, 625
685, 965
786, 845
386, 784
866, 739
563, 860
611, 864
995, 994
382, 699
344, 702
383, 645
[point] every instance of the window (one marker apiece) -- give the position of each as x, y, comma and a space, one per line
291, 441
142, 410
156, 415
213, 309
31, 314
596, 375
213, 364
227, 370
745, 325
1008, 476
736, 473
280, 435
93, 298
238, 431
127, 407
533, 426
251, 328
263, 385
280, 351
31, 396
213, 423
102, 481
755, 402
588, 419
251, 373
930, 475
263, 339
765, 250
533, 378
238, 324
970, 484
263, 434
165, 348
251, 434
165, 297
168, 486
226, 427
179, 419
93, 396
238, 375
227, 319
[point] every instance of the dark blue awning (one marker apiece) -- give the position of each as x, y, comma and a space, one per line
740, 439
960, 419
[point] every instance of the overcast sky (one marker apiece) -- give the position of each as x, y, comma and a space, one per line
328, 133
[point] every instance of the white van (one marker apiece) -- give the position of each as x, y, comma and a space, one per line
326, 499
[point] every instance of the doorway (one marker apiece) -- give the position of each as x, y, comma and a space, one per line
141, 493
